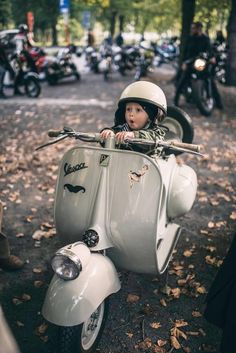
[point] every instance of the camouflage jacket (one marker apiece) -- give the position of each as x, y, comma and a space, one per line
155, 133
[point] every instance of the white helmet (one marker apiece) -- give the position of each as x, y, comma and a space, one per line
145, 93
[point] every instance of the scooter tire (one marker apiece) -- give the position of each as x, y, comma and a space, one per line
80, 338
179, 125
205, 107
32, 87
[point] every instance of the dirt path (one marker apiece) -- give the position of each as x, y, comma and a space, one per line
27, 186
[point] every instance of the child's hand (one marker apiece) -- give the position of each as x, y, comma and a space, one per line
123, 135
106, 133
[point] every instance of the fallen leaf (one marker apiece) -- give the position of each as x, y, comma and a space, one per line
196, 314
161, 343
132, 298
174, 342
163, 302
26, 297
38, 234
166, 290
17, 301
20, 235
37, 270
211, 225
175, 292
42, 329
155, 325
187, 253
38, 284
233, 215
201, 290
180, 323
19, 324
192, 333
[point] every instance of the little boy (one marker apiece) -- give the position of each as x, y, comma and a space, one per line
141, 107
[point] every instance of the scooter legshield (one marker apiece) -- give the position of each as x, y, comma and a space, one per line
70, 303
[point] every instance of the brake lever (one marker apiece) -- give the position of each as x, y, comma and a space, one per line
52, 142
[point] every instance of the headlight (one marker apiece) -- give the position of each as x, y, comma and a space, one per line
66, 265
199, 64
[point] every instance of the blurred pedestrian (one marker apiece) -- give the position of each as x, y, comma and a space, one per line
219, 39
23, 46
90, 38
119, 40
8, 261
4, 65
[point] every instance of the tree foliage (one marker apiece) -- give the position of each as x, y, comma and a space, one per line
5, 13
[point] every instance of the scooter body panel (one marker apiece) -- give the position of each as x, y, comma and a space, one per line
70, 303
123, 196
119, 195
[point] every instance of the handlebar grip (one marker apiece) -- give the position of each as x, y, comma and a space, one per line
189, 146
54, 133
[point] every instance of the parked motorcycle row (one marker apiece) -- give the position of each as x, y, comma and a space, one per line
142, 58
36, 66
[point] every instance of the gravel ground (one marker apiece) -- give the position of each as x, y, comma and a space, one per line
143, 313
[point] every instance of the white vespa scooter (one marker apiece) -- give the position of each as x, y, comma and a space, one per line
113, 209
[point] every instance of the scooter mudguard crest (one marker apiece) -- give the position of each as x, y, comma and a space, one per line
70, 303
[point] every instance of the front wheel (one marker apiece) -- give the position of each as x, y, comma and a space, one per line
32, 87
85, 337
203, 96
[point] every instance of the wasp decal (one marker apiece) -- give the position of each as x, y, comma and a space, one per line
136, 176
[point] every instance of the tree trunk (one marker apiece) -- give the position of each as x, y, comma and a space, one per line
54, 34
188, 11
231, 60
121, 23
113, 23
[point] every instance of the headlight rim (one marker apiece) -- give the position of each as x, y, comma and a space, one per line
200, 64
67, 254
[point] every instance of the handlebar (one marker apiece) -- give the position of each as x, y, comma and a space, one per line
96, 137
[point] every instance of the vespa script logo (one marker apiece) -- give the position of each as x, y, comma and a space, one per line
68, 168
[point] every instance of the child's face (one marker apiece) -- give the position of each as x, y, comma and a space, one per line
135, 116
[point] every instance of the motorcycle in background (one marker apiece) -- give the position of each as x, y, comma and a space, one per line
28, 80
92, 57
98, 239
199, 86
60, 67
144, 61
221, 54
112, 60
166, 53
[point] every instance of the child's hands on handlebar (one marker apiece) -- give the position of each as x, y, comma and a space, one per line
120, 136
106, 133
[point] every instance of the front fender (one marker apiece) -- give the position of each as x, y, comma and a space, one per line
31, 74
70, 303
